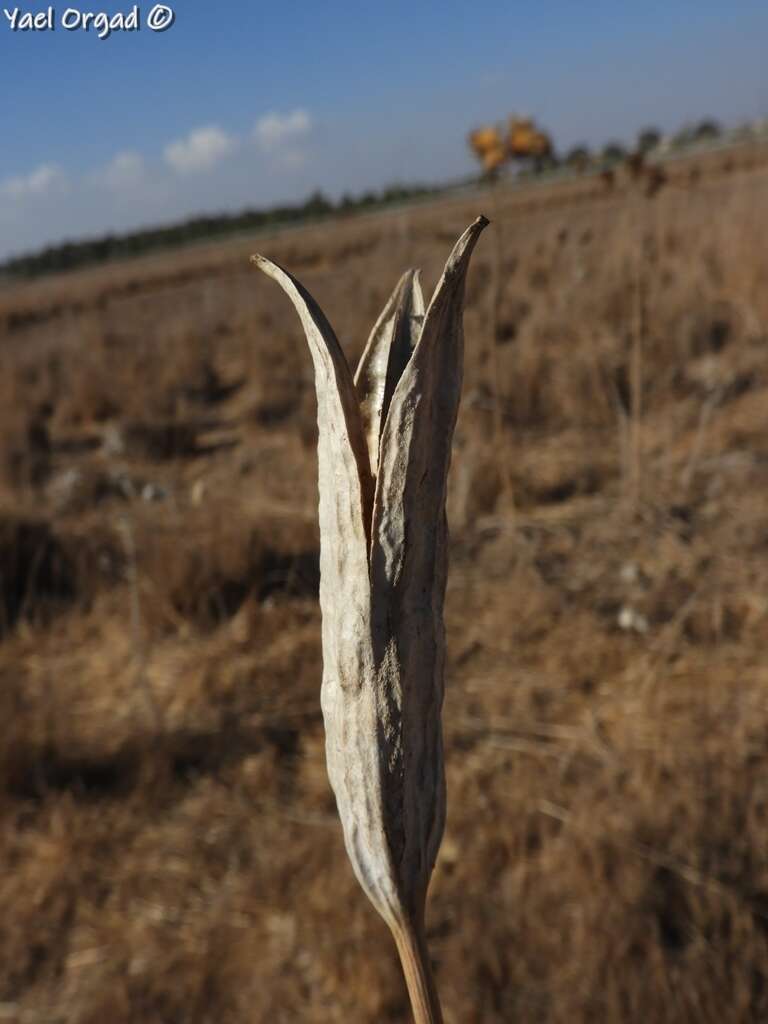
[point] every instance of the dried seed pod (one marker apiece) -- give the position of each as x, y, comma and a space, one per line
384, 452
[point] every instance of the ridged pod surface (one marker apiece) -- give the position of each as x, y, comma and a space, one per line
383, 456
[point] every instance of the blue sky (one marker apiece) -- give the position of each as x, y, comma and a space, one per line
248, 103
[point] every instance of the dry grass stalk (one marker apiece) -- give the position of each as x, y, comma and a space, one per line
636, 394
384, 452
138, 633
494, 364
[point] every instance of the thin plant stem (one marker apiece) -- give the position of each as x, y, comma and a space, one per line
141, 655
414, 958
636, 391
497, 294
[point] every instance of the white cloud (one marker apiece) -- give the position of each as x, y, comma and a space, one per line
41, 181
124, 171
200, 150
274, 131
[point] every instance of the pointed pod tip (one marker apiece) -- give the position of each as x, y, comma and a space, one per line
273, 270
459, 258
407, 290
477, 225
472, 233
267, 265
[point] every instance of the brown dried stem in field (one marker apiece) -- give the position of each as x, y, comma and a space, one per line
497, 298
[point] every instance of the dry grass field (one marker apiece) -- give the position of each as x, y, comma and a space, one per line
169, 847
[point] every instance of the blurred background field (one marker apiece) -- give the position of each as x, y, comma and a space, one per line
170, 851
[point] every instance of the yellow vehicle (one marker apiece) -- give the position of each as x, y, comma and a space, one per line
520, 140
488, 146
524, 140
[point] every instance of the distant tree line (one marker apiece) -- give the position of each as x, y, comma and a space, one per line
71, 255
580, 157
